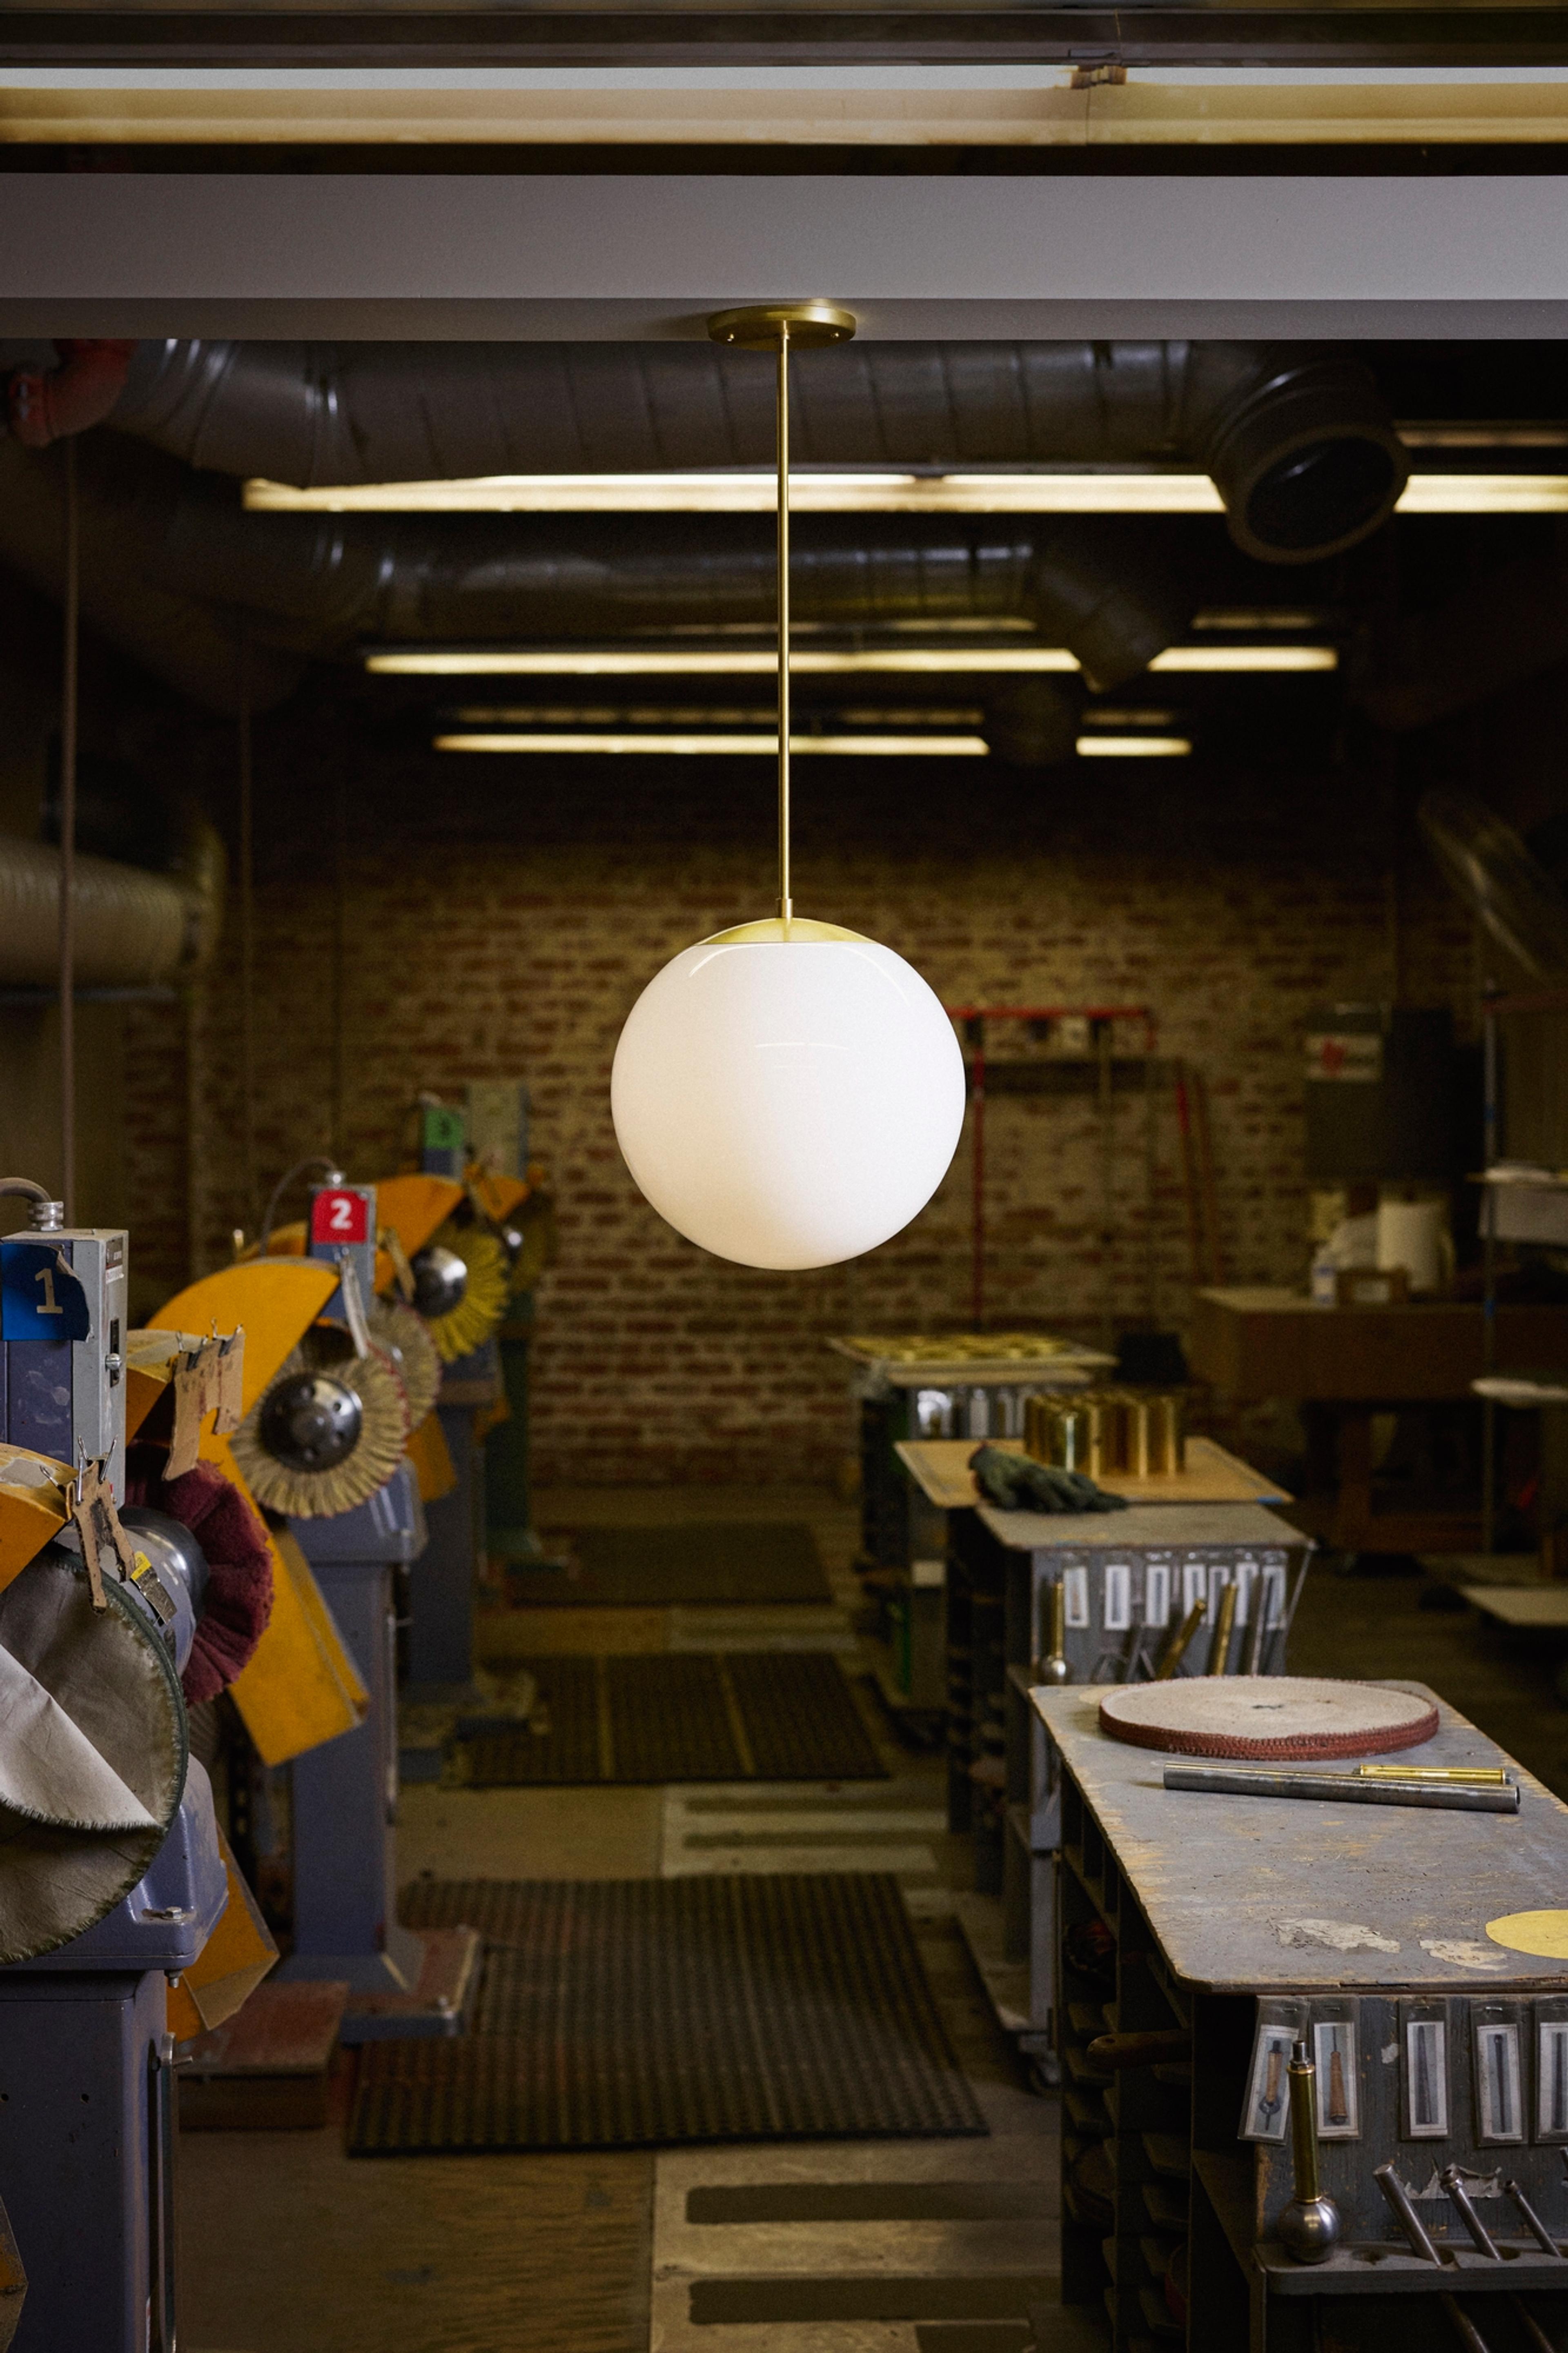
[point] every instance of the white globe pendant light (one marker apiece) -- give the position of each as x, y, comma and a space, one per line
787, 1095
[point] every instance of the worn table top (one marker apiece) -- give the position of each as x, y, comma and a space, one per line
1259, 1342
1052, 1366
1160, 1527
940, 1466
1544, 1603
1260, 1893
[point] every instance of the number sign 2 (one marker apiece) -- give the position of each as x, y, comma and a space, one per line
339, 1214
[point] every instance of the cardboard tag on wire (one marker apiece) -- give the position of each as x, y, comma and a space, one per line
228, 1382
354, 1304
391, 1242
208, 1378
97, 1523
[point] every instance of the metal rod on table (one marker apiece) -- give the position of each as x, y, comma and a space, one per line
1340, 1789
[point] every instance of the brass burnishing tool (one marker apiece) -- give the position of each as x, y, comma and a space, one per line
1479, 1777
1259, 1632
1421, 2244
1309, 2227
1225, 1622
1176, 1648
1532, 2220
1459, 2198
1053, 1667
1340, 1788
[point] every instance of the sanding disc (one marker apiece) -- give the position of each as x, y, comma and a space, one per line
1267, 1716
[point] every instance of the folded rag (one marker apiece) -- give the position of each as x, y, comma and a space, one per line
1016, 1482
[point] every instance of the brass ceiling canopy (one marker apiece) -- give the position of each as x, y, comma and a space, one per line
762, 326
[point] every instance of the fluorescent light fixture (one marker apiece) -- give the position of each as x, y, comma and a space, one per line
648, 661
947, 747
1084, 490
1132, 747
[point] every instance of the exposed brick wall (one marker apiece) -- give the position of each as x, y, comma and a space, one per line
501, 919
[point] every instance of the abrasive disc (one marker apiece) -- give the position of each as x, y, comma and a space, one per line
95, 1697
1266, 1716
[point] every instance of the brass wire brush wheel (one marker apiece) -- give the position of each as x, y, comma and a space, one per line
481, 1307
327, 1431
405, 1337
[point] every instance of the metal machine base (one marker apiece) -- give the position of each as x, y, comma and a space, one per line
424, 1986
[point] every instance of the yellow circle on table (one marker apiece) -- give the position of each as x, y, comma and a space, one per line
1544, 1934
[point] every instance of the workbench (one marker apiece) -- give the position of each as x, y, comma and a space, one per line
1229, 1919
906, 1389
1128, 1578
1343, 1366
941, 1482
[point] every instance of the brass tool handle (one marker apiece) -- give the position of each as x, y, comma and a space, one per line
1056, 1613
1225, 1623
1303, 2077
1176, 1649
1480, 1777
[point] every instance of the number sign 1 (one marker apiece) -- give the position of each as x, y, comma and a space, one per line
40, 1298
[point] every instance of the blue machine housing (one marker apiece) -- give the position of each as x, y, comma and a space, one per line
87, 2089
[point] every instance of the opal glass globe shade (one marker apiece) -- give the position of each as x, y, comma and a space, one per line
787, 1101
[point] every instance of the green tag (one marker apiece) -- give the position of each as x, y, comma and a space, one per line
443, 1129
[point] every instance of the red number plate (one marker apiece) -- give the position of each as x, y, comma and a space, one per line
340, 1215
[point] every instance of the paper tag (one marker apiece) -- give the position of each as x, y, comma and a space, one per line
189, 1405
391, 1242
229, 1383
97, 1522
353, 1303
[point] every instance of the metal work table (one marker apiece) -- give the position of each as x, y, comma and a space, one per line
1130, 1578
1228, 1918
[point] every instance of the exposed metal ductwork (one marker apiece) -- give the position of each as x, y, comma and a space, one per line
134, 929
1297, 438
123, 516
1105, 592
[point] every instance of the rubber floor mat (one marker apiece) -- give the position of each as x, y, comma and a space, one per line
692, 1562
676, 1716
648, 2013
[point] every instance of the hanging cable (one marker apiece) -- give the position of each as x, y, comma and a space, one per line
786, 906
247, 939
68, 698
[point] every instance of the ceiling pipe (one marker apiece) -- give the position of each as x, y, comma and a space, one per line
134, 929
1297, 438
1105, 591
122, 514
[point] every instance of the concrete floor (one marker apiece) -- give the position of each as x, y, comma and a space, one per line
290, 2247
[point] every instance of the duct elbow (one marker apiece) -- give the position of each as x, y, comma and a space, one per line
1300, 444
133, 928
45, 405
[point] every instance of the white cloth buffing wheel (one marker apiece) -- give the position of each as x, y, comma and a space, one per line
1267, 1716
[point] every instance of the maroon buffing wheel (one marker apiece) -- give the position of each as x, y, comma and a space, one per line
1276, 1717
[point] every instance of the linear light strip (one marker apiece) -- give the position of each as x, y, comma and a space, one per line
719, 492
1132, 747
661, 662
948, 747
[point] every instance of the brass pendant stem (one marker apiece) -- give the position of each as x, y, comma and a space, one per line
773, 326
786, 906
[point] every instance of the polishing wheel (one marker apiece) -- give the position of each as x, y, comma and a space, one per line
310, 1421
1275, 1716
